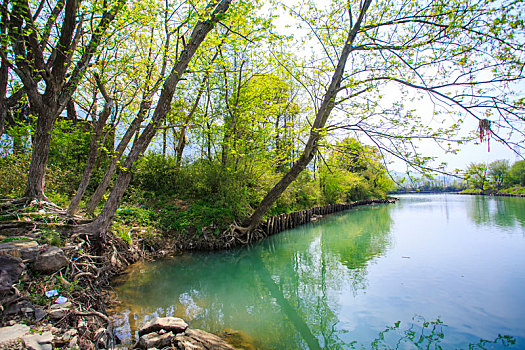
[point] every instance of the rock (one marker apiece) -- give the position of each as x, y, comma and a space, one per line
57, 314
38, 341
70, 334
73, 343
11, 269
155, 340
169, 324
196, 339
27, 310
16, 308
50, 261
239, 339
25, 249
39, 314
12, 333
65, 305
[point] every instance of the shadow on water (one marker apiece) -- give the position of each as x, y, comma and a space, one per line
282, 293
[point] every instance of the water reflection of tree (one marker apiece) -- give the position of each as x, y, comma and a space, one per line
334, 259
500, 211
294, 279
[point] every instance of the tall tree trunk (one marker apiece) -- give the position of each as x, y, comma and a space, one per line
103, 221
279, 159
232, 111
71, 111
4, 76
93, 150
34, 69
39, 156
164, 139
182, 137
4, 72
3, 117
312, 144
134, 127
180, 145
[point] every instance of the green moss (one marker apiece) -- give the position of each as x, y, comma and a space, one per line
51, 237
11, 239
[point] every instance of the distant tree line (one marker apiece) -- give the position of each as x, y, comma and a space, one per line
429, 185
495, 177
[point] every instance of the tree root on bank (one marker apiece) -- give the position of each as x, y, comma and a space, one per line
234, 233
94, 313
25, 216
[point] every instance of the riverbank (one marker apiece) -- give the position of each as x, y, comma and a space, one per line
207, 238
493, 194
54, 285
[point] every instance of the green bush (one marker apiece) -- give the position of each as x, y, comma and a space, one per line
195, 217
517, 173
13, 172
157, 174
157, 179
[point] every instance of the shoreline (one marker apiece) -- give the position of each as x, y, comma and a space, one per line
520, 195
84, 276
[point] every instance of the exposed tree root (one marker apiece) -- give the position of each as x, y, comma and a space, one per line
94, 313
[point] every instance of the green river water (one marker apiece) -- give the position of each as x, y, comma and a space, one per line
429, 272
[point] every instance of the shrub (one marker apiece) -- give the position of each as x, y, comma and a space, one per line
13, 172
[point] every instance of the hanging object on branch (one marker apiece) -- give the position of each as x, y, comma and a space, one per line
484, 131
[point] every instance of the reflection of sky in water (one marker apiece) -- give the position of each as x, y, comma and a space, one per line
447, 269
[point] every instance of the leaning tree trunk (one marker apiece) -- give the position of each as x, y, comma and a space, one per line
96, 197
92, 156
313, 141
103, 221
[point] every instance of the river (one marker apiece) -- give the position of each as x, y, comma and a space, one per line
431, 271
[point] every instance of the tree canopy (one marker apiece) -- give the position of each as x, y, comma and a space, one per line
222, 83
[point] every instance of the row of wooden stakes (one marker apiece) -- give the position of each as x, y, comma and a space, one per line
287, 221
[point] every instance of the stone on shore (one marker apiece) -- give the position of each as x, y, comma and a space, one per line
50, 261
169, 324
11, 269
156, 340
42, 341
196, 339
25, 249
58, 311
9, 335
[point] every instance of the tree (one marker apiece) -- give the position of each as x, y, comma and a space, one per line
49, 46
477, 176
498, 171
213, 13
353, 171
94, 147
456, 54
517, 173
